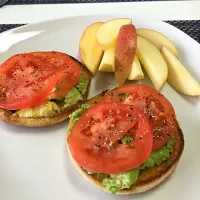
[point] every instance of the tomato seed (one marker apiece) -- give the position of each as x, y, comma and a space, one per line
112, 125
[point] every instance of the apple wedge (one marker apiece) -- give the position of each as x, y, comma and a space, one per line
89, 49
157, 39
153, 62
136, 70
108, 61
107, 33
178, 77
108, 65
125, 52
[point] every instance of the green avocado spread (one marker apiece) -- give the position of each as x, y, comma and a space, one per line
51, 107
45, 110
115, 182
82, 86
71, 98
76, 115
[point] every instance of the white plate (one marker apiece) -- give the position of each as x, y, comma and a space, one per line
34, 162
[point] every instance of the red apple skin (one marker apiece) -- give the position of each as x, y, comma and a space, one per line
125, 51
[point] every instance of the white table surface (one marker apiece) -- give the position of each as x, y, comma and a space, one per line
167, 10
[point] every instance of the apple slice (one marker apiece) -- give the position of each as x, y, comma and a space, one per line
157, 39
125, 52
107, 33
178, 77
89, 49
108, 61
136, 70
153, 62
108, 65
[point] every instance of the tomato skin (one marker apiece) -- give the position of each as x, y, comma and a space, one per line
16, 79
66, 65
93, 141
155, 106
28, 80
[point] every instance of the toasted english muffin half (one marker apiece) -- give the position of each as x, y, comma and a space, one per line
148, 178
60, 116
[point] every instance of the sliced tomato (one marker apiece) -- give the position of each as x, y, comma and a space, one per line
153, 104
27, 80
67, 66
94, 141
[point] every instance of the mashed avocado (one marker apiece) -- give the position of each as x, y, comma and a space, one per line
122, 96
127, 139
50, 108
45, 110
82, 86
76, 115
116, 182
98, 175
71, 98
159, 156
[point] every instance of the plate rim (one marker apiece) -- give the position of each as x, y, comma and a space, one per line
72, 17
120, 15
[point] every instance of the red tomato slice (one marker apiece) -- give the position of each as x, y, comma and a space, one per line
94, 139
27, 80
155, 106
67, 66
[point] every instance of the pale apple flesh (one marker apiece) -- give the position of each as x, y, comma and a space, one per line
153, 62
108, 61
136, 70
178, 77
89, 49
157, 39
125, 52
108, 65
107, 33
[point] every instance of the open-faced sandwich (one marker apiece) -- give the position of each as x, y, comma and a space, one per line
126, 140
41, 88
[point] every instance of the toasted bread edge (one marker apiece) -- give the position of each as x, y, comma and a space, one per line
7, 116
135, 188
140, 185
